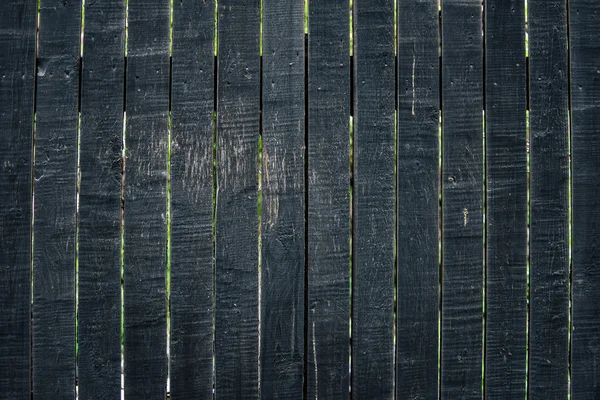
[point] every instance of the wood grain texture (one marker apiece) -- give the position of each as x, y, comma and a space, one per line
374, 200
549, 235
418, 199
101, 142
236, 291
145, 308
17, 69
328, 344
283, 239
506, 159
585, 147
55, 181
192, 108
462, 180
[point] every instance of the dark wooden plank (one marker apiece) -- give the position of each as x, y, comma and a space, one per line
282, 223
549, 235
374, 198
584, 32
462, 179
192, 106
327, 372
17, 64
418, 199
146, 146
506, 159
99, 313
55, 181
236, 291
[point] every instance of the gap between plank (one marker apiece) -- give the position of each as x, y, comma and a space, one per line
214, 192
123, 163
168, 241
440, 202
77, 193
484, 208
570, 199
259, 196
528, 162
32, 188
305, 354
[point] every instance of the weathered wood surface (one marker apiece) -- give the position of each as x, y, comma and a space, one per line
328, 342
145, 215
282, 273
418, 199
584, 43
236, 259
17, 88
373, 200
549, 235
55, 191
309, 220
191, 246
462, 200
99, 222
506, 170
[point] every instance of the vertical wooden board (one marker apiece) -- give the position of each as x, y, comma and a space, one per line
462, 238
145, 217
585, 144
327, 372
418, 199
236, 263
17, 62
55, 181
549, 235
374, 198
506, 266
99, 313
192, 108
283, 239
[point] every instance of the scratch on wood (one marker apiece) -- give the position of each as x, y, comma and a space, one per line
315, 361
413, 84
465, 214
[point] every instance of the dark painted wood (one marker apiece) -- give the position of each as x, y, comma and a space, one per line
328, 180
55, 181
192, 108
374, 200
549, 235
418, 199
101, 142
145, 219
462, 180
506, 160
17, 63
282, 223
238, 115
585, 119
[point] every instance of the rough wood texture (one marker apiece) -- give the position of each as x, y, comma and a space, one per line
328, 343
418, 199
55, 181
283, 239
191, 200
506, 266
146, 200
462, 180
236, 319
374, 199
585, 142
99, 314
17, 62
549, 235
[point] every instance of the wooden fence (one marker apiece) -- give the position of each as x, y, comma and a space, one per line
280, 199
